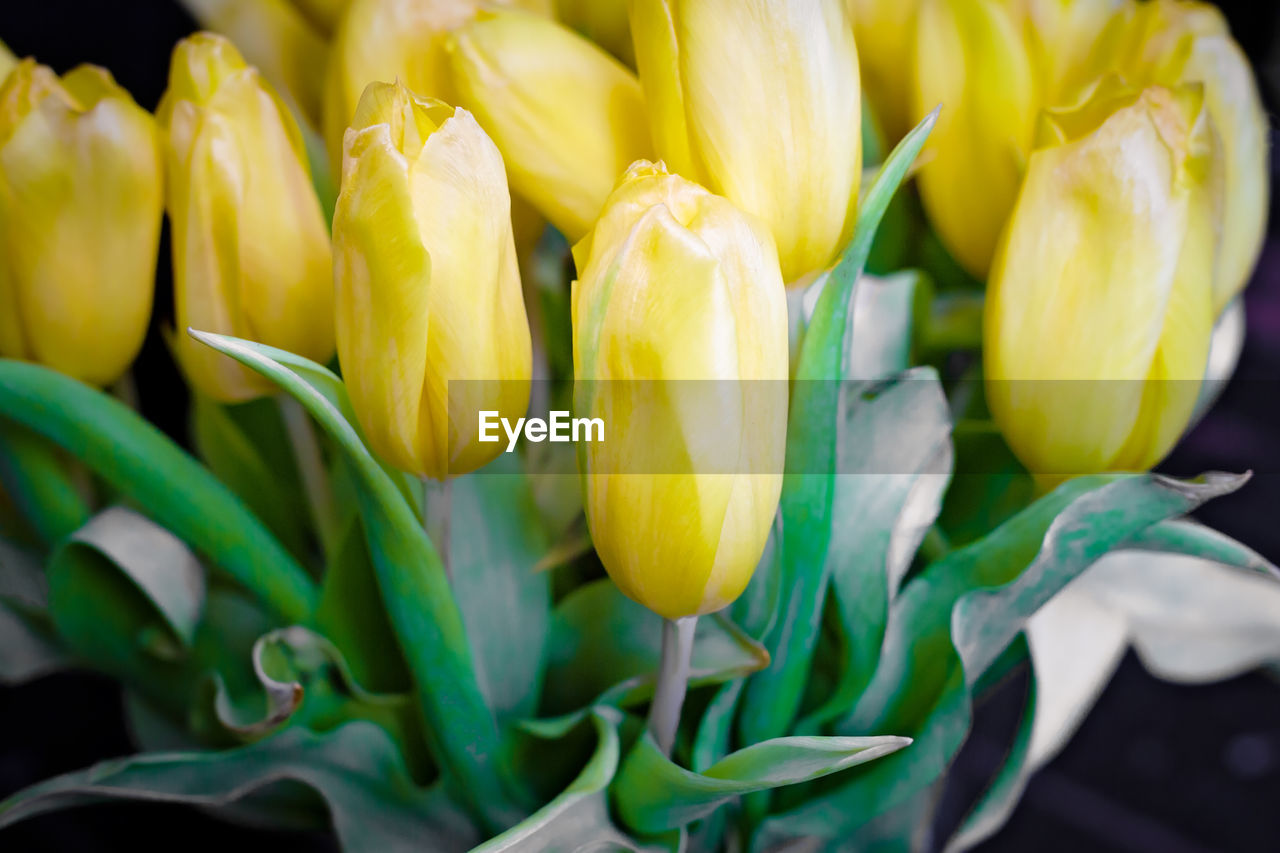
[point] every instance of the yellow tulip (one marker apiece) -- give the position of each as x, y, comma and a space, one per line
680, 347
973, 59
427, 281
603, 21
759, 101
1061, 35
81, 196
276, 39
389, 40
323, 14
1173, 43
7, 61
567, 117
1099, 314
250, 250
885, 31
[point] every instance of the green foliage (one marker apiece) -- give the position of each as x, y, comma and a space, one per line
495, 698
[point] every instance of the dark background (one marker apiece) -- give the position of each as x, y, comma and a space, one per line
1155, 767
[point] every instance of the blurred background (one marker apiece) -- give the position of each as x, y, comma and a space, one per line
1155, 767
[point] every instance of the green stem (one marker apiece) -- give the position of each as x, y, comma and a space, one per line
437, 516
311, 468
673, 680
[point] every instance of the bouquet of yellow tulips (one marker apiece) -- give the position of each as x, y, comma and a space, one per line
578, 457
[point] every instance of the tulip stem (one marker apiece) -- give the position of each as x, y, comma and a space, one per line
436, 517
310, 461
673, 680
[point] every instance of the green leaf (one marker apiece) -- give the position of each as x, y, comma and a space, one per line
773, 696
39, 483
496, 541
351, 614
605, 646
956, 618
461, 730
29, 648
1197, 605
253, 468
168, 485
577, 819
357, 772
125, 596
894, 461
303, 678
654, 795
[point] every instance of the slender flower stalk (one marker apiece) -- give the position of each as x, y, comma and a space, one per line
673, 680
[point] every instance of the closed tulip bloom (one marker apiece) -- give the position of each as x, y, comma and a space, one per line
428, 286
1171, 42
323, 14
250, 249
885, 31
759, 101
81, 196
7, 61
389, 40
605, 22
973, 59
680, 347
1103, 280
1061, 35
568, 118
277, 39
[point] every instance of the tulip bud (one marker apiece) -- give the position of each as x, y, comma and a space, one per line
1103, 280
760, 102
323, 14
603, 21
1061, 34
81, 195
276, 39
885, 31
973, 59
1173, 43
7, 61
567, 117
680, 348
428, 287
389, 40
250, 250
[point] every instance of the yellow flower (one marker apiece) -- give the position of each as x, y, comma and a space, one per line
7, 61
81, 196
1099, 313
323, 14
389, 40
680, 348
972, 57
567, 117
250, 250
603, 21
277, 39
759, 101
885, 31
1173, 43
428, 287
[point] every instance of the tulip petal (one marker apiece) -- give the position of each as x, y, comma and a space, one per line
972, 60
776, 120
383, 272
1081, 288
80, 195
567, 117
